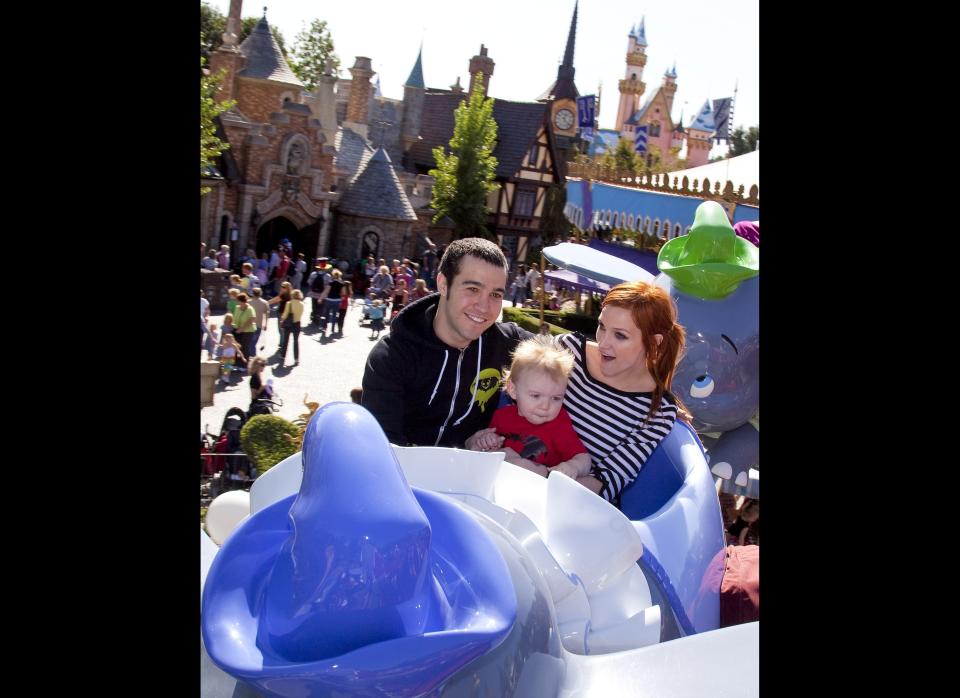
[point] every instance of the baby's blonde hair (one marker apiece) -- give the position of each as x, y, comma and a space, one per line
542, 353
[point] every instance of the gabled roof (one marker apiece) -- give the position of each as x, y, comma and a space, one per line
416, 75
637, 116
704, 120
264, 58
517, 126
377, 192
352, 152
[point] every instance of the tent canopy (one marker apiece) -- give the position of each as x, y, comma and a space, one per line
594, 264
582, 283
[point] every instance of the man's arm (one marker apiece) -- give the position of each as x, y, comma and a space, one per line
383, 392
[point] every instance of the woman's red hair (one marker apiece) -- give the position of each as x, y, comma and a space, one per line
653, 313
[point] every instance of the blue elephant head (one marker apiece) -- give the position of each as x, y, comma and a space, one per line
713, 277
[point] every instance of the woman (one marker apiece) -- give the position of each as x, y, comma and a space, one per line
290, 324
258, 389
400, 295
382, 282
419, 290
345, 297
619, 394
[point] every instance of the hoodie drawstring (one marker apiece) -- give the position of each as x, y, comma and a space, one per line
434, 393
476, 384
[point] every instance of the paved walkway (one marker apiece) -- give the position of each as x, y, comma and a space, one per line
328, 370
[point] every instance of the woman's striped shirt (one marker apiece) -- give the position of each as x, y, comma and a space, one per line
610, 423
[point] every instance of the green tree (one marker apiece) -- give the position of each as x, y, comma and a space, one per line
464, 177
623, 157
742, 141
312, 47
210, 145
212, 25
554, 226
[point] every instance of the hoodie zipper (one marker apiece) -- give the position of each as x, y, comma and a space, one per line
453, 400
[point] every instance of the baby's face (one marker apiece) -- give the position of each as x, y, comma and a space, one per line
539, 396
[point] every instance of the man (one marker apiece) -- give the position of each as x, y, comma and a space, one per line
262, 310
280, 273
533, 280
319, 283
435, 379
299, 269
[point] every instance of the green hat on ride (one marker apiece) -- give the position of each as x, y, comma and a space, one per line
711, 260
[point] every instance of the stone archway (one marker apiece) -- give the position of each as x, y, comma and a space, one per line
273, 231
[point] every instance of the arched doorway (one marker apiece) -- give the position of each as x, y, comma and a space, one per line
273, 231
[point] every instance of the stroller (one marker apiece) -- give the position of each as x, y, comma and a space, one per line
268, 404
365, 310
234, 467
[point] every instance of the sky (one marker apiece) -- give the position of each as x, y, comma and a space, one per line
715, 45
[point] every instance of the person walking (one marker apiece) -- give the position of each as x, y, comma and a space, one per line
290, 322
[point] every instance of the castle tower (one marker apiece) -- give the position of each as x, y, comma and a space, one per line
481, 63
670, 86
632, 87
413, 91
359, 102
227, 56
699, 137
266, 82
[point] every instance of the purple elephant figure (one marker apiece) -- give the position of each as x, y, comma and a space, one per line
713, 275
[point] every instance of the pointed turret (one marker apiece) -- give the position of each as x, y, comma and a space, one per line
377, 191
413, 94
416, 75
564, 85
641, 33
264, 58
699, 135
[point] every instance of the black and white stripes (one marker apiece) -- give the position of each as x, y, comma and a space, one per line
610, 423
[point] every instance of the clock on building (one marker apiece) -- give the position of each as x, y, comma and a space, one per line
563, 119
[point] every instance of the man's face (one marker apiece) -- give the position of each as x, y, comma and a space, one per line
469, 303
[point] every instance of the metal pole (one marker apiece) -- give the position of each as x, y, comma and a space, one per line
542, 294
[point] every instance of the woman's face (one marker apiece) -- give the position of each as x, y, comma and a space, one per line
622, 352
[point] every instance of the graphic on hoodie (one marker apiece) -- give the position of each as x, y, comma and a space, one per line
489, 382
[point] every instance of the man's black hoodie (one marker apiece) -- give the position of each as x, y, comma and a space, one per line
423, 391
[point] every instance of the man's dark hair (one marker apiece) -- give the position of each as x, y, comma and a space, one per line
242, 298
475, 247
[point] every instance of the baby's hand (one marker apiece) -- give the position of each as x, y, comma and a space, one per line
484, 440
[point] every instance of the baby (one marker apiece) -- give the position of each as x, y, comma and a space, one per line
376, 318
536, 433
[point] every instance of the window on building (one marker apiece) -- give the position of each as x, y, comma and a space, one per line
646, 224
630, 222
534, 155
654, 129
523, 202
676, 230
666, 228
